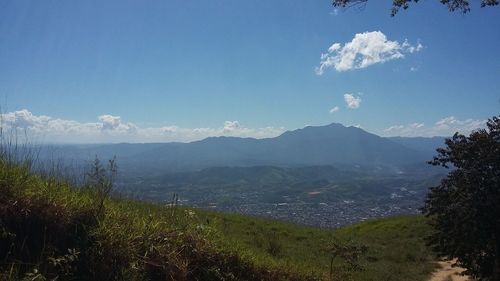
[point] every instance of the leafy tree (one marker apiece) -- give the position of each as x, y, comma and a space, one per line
465, 207
453, 5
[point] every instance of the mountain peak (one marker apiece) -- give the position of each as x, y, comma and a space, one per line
331, 125
332, 129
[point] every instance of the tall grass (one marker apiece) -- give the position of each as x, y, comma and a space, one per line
51, 229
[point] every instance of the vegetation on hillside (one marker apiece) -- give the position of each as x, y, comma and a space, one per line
53, 230
395, 247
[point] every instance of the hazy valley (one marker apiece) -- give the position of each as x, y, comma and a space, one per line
325, 176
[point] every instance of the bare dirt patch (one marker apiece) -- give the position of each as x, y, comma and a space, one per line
446, 272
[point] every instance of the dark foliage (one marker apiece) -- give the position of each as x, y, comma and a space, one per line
34, 231
465, 207
453, 5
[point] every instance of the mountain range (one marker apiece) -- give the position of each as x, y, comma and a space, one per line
303, 169
332, 144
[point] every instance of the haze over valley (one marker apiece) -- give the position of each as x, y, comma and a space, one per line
324, 176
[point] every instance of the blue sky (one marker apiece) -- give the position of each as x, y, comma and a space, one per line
97, 71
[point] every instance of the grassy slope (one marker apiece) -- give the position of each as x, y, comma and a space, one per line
396, 248
41, 218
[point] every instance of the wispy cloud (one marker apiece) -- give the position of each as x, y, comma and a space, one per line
352, 101
109, 128
334, 12
365, 49
334, 109
444, 127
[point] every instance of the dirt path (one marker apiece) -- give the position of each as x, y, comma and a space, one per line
446, 272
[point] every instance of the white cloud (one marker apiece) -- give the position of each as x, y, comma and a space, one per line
334, 109
365, 49
444, 127
24, 119
413, 68
114, 123
352, 101
109, 122
109, 128
231, 126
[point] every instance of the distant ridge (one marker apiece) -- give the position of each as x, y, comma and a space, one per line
332, 144
425, 145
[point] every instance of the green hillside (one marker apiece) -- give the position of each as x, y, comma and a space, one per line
396, 250
50, 230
